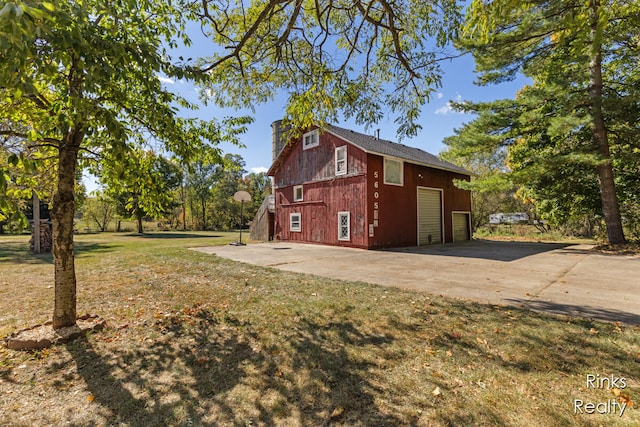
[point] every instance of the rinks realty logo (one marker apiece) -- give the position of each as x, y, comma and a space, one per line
610, 406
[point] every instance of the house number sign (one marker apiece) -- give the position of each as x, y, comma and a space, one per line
376, 204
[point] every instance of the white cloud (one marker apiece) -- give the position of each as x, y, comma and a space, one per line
446, 109
166, 80
259, 169
439, 95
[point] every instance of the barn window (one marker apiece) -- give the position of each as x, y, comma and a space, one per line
344, 226
341, 160
310, 139
295, 222
392, 171
297, 193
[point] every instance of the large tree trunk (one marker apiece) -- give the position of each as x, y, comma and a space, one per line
610, 207
64, 313
140, 230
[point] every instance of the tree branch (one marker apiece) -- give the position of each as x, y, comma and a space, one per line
48, 142
235, 53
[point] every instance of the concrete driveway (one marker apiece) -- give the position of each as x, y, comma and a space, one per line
563, 279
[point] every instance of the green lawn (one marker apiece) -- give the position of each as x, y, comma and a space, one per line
193, 339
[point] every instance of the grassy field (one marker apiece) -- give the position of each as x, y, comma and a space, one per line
193, 339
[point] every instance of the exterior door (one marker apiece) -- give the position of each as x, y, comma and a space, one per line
460, 226
429, 216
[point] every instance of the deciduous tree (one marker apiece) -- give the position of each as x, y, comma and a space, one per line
83, 78
99, 210
145, 184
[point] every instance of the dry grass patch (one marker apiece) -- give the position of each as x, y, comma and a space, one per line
193, 339
630, 249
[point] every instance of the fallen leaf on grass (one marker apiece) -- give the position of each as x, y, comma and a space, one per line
91, 398
337, 412
436, 392
482, 341
202, 360
622, 397
593, 331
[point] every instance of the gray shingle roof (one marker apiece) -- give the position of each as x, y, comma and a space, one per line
371, 144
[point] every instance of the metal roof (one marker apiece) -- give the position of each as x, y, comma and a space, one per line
371, 144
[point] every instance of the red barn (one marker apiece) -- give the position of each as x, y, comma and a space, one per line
335, 186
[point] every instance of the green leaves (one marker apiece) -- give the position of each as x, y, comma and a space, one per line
13, 159
329, 57
141, 184
575, 115
95, 66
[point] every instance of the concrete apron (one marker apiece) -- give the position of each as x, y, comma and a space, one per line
562, 279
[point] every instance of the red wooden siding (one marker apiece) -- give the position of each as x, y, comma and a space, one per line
324, 194
397, 205
318, 163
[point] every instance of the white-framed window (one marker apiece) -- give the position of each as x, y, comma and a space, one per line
341, 160
393, 171
310, 139
295, 222
344, 226
298, 195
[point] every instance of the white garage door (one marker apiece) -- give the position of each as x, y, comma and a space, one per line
460, 226
429, 217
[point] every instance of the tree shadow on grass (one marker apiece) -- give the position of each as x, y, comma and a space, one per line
553, 351
552, 341
199, 367
178, 377
165, 235
338, 385
206, 370
87, 248
19, 252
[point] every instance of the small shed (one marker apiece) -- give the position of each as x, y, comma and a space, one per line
261, 228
